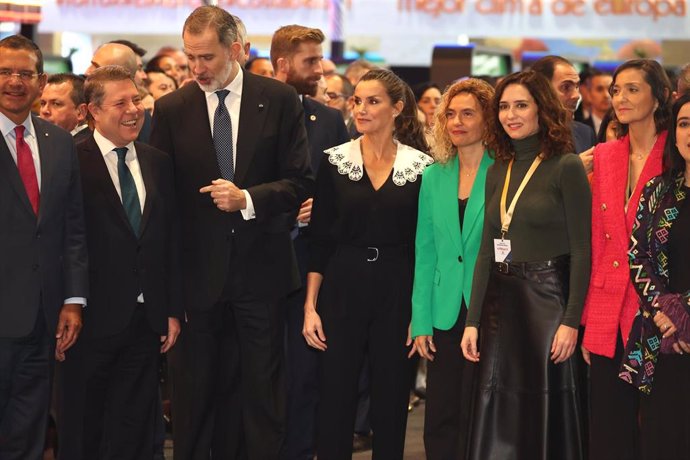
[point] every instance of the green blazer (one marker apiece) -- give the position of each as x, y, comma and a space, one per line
445, 256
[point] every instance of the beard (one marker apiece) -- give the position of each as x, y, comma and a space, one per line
219, 80
302, 85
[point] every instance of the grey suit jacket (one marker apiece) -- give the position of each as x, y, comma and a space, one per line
43, 258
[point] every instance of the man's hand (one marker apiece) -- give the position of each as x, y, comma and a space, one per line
69, 326
226, 196
304, 215
173, 331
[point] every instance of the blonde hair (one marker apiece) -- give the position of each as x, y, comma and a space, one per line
443, 149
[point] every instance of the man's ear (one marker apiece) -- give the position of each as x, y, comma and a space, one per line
82, 111
283, 65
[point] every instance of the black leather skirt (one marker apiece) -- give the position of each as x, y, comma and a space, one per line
526, 407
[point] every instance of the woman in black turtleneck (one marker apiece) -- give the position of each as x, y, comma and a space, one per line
528, 303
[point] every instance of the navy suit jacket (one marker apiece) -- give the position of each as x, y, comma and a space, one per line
43, 258
583, 137
325, 129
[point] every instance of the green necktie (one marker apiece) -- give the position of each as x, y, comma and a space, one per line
130, 198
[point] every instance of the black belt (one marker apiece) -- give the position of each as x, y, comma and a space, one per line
520, 268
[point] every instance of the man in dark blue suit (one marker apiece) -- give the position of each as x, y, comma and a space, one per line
44, 282
296, 56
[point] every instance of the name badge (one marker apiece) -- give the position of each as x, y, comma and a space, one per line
502, 250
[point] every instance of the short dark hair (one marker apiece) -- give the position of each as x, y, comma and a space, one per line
19, 42
214, 17
547, 65
656, 78
154, 65
348, 89
147, 81
674, 163
420, 88
94, 89
138, 50
554, 133
77, 82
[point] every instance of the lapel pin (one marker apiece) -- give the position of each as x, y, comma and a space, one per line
261, 106
312, 117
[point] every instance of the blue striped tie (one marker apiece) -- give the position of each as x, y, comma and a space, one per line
222, 137
130, 198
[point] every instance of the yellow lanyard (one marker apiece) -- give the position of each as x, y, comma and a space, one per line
507, 216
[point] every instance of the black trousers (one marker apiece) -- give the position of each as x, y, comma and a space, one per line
25, 382
614, 406
227, 374
364, 306
302, 371
109, 390
449, 382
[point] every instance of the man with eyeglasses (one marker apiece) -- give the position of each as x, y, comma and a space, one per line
44, 282
296, 56
339, 92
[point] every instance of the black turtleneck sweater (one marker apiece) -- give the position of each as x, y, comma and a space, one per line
552, 218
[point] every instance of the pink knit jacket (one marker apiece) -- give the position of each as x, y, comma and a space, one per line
611, 302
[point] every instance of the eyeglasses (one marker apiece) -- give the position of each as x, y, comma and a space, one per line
23, 75
333, 95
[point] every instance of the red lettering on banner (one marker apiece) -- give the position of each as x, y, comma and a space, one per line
568, 7
650, 8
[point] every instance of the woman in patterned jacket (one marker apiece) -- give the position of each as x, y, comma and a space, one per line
656, 355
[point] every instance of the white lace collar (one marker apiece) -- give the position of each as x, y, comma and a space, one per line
409, 162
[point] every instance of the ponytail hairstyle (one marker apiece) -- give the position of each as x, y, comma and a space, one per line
408, 129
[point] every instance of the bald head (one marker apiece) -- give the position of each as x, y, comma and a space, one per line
114, 54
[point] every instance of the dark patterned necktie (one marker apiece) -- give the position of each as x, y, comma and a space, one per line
130, 198
222, 137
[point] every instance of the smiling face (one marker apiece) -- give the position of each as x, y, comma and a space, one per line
518, 112
683, 133
374, 111
213, 64
430, 100
464, 121
120, 116
632, 97
18, 94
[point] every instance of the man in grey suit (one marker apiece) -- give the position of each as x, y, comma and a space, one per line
43, 262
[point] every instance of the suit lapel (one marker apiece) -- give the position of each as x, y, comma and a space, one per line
253, 109
449, 200
8, 168
94, 165
149, 179
47, 158
475, 203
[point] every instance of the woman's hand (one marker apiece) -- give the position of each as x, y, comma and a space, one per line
313, 330
425, 346
587, 158
409, 342
664, 324
585, 355
468, 344
564, 343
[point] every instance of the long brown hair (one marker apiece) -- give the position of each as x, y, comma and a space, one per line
554, 134
408, 129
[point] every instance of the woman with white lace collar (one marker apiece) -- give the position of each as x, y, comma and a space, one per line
361, 266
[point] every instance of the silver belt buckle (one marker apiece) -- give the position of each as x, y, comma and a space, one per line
376, 257
503, 267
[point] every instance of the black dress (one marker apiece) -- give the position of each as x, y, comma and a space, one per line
363, 245
526, 407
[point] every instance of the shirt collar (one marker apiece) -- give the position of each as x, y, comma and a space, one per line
235, 86
106, 146
7, 126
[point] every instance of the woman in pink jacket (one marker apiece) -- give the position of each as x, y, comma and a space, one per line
641, 95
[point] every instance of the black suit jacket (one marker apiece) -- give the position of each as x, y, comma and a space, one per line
325, 129
272, 165
122, 263
583, 137
43, 258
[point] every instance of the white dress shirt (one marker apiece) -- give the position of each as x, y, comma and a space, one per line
232, 104
107, 149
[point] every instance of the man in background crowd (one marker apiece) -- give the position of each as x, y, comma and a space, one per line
260, 66
63, 104
598, 85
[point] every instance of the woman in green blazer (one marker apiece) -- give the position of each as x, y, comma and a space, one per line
449, 229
